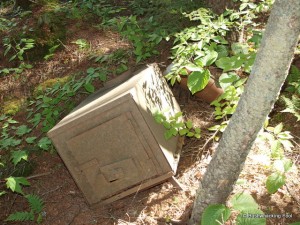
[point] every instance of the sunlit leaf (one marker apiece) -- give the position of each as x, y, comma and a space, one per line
197, 80
17, 156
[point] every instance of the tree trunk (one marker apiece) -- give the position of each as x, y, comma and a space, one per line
262, 89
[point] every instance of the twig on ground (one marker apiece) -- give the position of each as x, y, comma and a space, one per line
295, 135
295, 142
66, 47
293, 196
207, 142
38, 175
53, 190
13, 202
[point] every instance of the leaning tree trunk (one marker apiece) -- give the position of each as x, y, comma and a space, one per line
268, 74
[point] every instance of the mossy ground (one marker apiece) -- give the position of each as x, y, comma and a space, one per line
12, 107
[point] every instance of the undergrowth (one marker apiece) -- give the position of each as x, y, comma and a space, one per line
202, 44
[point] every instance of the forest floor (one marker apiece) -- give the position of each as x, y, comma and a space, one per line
164, 203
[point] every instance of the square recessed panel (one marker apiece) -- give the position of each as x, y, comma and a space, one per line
111, 162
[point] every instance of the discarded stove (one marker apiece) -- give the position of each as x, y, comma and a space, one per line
112, 145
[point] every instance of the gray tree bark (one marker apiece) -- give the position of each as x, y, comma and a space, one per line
262, 89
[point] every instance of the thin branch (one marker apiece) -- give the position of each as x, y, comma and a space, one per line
53, 190
207, 142
38, 175
293, 196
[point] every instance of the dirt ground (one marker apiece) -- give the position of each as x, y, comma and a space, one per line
164, 203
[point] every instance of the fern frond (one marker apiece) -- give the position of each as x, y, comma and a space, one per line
20, 216
35, 202
292, 105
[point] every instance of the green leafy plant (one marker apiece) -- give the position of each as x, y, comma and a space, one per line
117, 58
99, 73
81, 43
292, 105
242, 203
15, 185
144, 35
176, 126
35, 214
51, 52
280, 141
198, 47
17, 50
6, 24
101, 8
226, 104
293, 80
291, 96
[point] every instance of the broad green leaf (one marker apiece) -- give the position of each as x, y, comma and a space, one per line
36, 119
209, 58
183, 71
243, 202
227, 79
251, 217
274, 182
10, 142
90, 70
2, 193
296, 223
3, 117
44, 143
193, 67
189, 124
278, 165
230, 63
190, 134
12, 121
89, 87
173, 131
285, 135
197, 135
166, 124
197, 130
183, 131
222, 51
276, 149
287, 164
239, 48
17, 156
102, 76
219, 39
168, 134
215, 215
178, 115
23, 129
198, 80
286, 144
14, 183
214, 128
278, 128
224, 63
240, 82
